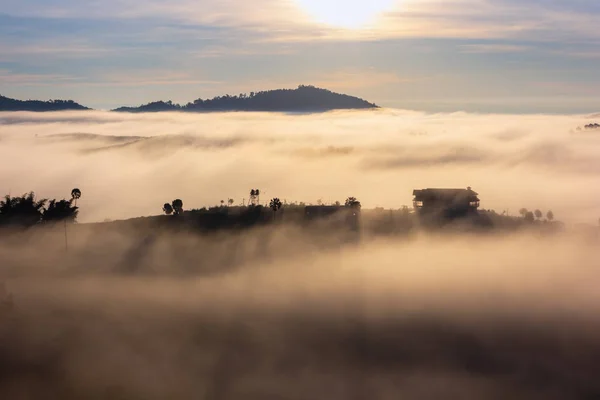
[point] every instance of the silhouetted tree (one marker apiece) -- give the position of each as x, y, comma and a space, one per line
75, 195
538, 214
550, 216
352, 202
168, 209
177, 206
523, 212
229, 202
222, 203
529, 217
275, 205
337, 204
24, 211
62, 210
254, 197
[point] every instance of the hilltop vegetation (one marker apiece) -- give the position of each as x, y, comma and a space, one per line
301, 99
7, 104
304, 98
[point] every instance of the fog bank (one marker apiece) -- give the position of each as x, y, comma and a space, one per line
130, 164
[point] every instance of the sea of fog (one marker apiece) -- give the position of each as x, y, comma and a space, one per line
461, 317
273, 313
128, 165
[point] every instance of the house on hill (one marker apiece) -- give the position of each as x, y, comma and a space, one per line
446, 203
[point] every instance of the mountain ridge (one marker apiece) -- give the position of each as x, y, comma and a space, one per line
8, 104
302, 99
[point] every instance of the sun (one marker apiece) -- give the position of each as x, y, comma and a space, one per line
351, 14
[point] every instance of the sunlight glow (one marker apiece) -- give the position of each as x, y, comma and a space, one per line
351, 14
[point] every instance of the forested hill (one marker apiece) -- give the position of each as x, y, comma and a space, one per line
7, 104
302, 99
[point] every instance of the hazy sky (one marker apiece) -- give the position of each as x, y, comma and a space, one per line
476, 55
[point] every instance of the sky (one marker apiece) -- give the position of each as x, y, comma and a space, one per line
505, 56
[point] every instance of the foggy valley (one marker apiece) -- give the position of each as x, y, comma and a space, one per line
139, 311
379, 157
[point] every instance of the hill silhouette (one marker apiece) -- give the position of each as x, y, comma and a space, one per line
8, 104
301, 99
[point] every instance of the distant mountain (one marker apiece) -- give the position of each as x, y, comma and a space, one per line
7, 104
302, 99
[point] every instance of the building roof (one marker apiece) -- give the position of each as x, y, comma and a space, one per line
437, 193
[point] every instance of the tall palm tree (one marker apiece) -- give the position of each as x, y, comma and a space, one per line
275, 205
75, 195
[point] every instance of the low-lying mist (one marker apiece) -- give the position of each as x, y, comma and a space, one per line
128, 165
127, 312
271, 313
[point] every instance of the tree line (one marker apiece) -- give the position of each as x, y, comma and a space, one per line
275, 204
27, 211
531, 216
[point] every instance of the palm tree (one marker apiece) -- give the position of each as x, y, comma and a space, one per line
222, 203
550, 216
230, 202
75, 195
275, 205
538, 214
168, 209
177, 206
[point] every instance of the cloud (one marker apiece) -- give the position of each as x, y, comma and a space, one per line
17, 79
286, 21
493, 48
378, 156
